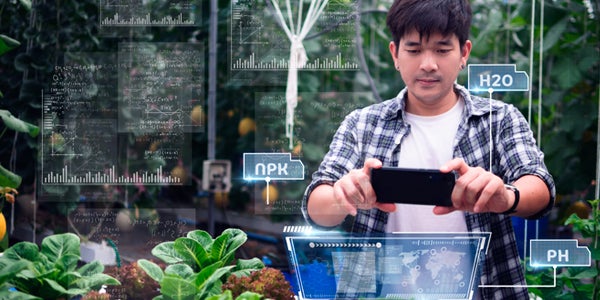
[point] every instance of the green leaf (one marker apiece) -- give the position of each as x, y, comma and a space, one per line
10, 270
166, 252
585, 273
67, 262
246, 266
201, 237
209, 279
566, 73
51, 289
9, 179
191, 251
555, 33
16, 295
7, 44
26, 3
203, 276
219, 247
247, 295
226, 295
22, 251
183, 270
152, 269
96, 281
62, 249
237, 239
584, 226
68, 278
16, 124
91, 268
173, 287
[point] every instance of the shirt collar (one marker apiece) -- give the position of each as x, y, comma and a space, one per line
474, 106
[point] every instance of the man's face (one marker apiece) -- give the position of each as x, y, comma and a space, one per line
429, 68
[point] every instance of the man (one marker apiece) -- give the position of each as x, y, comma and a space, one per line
436, 123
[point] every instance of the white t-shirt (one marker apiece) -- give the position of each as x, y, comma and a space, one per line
428, 146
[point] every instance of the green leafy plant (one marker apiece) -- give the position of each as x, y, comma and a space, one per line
6, 273
52, 272
575, 282
197, 264
268, 282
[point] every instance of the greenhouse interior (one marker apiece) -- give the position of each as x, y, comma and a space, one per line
310, 149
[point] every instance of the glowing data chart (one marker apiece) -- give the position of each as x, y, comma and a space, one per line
92, 135
334, 265
135, 13
258, 43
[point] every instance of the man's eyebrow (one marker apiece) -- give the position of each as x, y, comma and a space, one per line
411, 43
446, 42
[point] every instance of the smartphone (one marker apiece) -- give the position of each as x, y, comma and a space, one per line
412, 186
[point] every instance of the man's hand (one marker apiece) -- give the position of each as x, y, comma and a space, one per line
476, 190
329, 205
354, 190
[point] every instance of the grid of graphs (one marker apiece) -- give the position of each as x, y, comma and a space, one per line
258, 42
122, 118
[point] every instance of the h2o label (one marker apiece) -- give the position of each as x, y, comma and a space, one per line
496, 78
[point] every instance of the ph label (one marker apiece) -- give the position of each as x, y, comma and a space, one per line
496, 78
563, 253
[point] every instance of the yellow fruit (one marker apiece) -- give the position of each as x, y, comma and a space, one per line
580, 208
221, 199
154, 146
2, 226
124, 220
179, 172
197, 115
297, 149
273, 194
246, 125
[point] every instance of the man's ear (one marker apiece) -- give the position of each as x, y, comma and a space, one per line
466, 51
394, 52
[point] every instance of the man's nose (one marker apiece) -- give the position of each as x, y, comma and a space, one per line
428, 62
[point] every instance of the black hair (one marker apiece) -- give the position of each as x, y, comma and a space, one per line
430, 16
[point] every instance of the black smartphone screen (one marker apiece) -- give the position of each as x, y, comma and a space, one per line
412, 186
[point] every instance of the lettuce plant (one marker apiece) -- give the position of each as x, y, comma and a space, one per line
52, 272
197, 264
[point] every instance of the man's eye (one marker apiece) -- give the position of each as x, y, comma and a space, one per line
444, 50
413, 51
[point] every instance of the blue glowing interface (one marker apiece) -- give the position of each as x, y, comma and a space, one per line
393, 266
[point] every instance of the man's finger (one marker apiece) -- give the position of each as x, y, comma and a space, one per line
442, 210
386, 207
457, 164
371, 163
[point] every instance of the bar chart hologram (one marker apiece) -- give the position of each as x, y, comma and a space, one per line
109, 176
135, 13
146, 20
336, 63
98, 136
258, 42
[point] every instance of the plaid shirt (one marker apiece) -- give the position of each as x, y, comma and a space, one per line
378, 130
